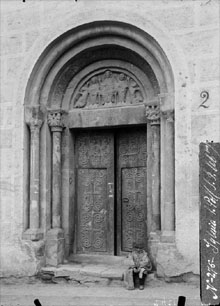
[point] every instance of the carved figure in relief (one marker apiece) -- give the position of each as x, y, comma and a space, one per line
108, 88
140, 267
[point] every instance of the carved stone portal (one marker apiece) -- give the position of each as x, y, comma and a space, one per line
108, 88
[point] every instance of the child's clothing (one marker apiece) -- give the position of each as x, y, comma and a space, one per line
141, 265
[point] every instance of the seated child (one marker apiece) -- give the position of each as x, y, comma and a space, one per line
141, 266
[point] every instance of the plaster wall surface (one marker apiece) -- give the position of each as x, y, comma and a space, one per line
187, 31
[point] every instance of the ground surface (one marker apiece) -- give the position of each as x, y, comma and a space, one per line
20, 292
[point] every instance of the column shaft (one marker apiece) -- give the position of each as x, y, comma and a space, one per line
149, 179
153, 117
155, 178
56, 185
34, 116
169, 217
55, 236
34, 178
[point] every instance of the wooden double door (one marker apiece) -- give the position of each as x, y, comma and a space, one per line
110, 190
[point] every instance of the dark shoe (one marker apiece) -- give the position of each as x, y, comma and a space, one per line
141, 287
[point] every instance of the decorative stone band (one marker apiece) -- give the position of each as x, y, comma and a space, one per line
152, 113
55, 120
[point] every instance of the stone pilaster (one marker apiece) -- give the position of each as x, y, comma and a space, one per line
169, 211
34, 119
153, 117
55, 236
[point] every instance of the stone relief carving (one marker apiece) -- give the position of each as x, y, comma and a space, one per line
108, 88
153, 113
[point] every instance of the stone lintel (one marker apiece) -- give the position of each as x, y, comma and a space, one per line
55, 247
168, 236
102, 117
33, 234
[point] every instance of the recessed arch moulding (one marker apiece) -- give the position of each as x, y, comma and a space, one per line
60, 96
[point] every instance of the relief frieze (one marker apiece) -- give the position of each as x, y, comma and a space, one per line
107, 89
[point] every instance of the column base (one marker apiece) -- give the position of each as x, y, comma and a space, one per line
33, 234
168, 236
55, 247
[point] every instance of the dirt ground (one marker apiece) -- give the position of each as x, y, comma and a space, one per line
23, 292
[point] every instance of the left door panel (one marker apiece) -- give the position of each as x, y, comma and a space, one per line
95, 192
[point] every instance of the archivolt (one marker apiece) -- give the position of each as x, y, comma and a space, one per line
86, 44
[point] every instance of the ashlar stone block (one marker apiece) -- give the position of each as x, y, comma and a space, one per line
54, 247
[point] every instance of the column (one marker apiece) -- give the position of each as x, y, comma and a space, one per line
153, 117
34, 119
55, 236
169, 207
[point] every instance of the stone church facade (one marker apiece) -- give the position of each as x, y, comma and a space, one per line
103, 107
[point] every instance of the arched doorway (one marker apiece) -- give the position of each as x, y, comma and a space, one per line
99, 106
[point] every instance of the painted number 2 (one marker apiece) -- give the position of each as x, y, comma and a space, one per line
205, 96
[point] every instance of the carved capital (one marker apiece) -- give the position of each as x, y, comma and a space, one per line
152, 113
34, 117
55, 120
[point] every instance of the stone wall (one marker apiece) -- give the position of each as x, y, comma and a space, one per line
188, 32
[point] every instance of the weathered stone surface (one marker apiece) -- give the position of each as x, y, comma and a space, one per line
170, 262
54, 247
90, 273
175, 18
12, 45
204, 42
209, 69
209, 14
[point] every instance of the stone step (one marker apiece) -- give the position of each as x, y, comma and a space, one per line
83, 273
87, 274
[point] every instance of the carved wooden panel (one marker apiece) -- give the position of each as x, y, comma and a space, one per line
132, 205
107, 88
94, 150
95, 203
132, 148
92, 213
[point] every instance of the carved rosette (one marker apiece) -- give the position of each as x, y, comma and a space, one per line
55, 120
152, 113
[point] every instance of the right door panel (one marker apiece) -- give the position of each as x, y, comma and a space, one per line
132, 186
